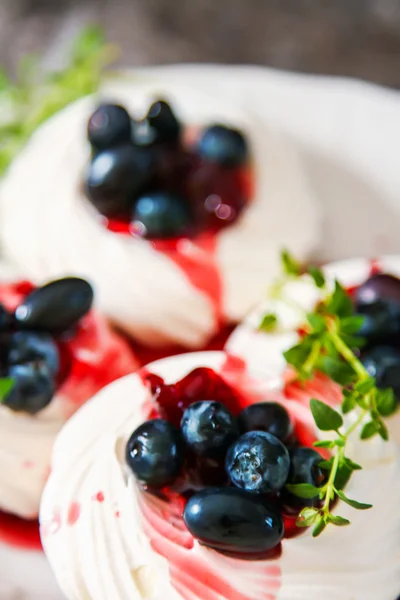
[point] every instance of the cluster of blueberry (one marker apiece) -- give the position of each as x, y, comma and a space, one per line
141, 172
378, 301
30, 340
253, 455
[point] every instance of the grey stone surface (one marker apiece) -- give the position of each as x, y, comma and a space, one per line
350, 37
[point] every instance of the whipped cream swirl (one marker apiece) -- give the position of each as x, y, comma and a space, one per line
105, 540
144, 291
98, 357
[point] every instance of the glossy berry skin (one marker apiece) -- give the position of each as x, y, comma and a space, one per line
56, 306
163, 120
225, 146
258, 462
383, 363
231, 520
33, 388
162, 215
208, 427
379, 287
155, 453
116, 177
303, 469
381, 321
108, 126
28, 347
266, 416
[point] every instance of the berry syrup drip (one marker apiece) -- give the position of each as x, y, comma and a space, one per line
19, 533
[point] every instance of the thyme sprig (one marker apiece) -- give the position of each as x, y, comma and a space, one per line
328, 347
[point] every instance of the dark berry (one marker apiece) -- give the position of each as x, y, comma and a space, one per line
154, 452
258, 462
5, 319
56, 306
158, 127
162, 215
32, 347
33, 387
116, 177
232, 520
379, 287
208, 427
223, 145
109, 125
266, 416
383, 363
381, 320
303, 469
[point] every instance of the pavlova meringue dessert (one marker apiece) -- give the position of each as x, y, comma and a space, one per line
374, 289
171, 200
55, 353
194, 480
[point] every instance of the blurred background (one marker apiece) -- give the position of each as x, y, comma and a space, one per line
359, 38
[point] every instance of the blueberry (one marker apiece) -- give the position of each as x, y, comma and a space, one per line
381, 321
154, 453
266, 416
163, 215
116, 177
231, 520
208, 427
32, 347
5, 319
258, 462
383, 363
33, 388
379, 287
108, 126
303, 469
56, 306
160, 126
223, 145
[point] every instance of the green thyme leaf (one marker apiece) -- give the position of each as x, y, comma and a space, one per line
319, 527
6, 385
340, 303
318, 277
386, 403
364, 386
343, 474
369, 430
353, 503
297, 355
325, 417
351, 325
351, 464
336, 520
336, 369
269, 323
324, 444
349, 403
290, 264
326, 464
302, 490
307, 517
383, 430
317, 322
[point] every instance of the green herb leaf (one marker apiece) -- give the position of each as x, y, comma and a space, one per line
383, 430
336, 520
386, 403
369, 430
317, 322
269, 323
340, 303
351, 325
324, 444
365, 385
6, 385
353, 503
318, 276
336, 369
302, 490
297, 355
325, 417
307, 517
349, 403
290, 264
343, 474
319, 527
351, 464
326, 464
